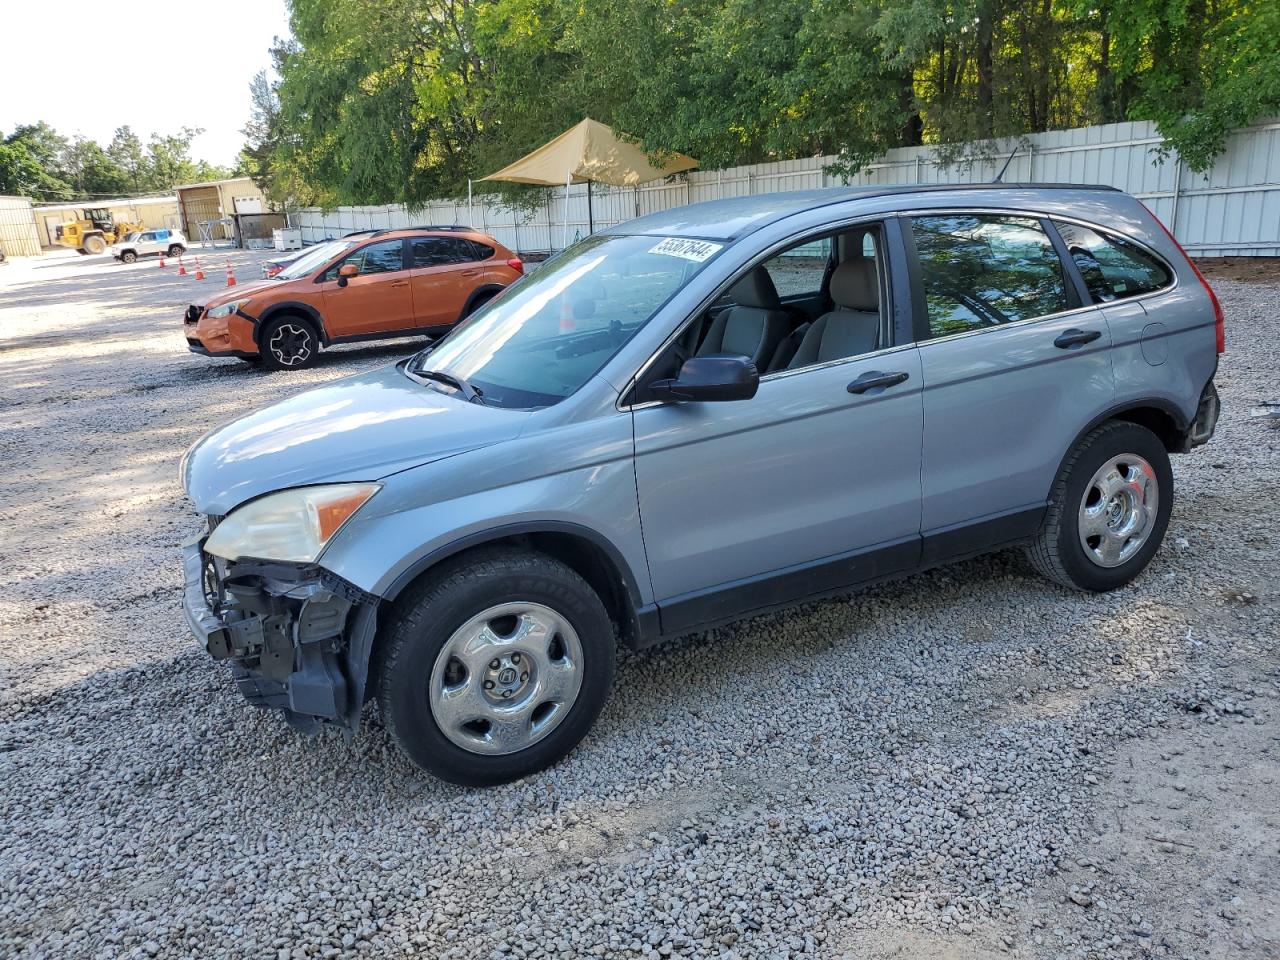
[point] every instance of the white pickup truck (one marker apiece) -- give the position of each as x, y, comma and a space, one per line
147, 242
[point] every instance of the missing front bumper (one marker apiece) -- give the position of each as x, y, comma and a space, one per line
297, 637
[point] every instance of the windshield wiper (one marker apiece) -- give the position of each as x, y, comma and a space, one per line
470, 394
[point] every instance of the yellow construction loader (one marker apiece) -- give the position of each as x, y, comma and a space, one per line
94, 231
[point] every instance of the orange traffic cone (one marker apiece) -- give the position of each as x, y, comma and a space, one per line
162, 261
231, 277
567, 324
182, 270
199, 271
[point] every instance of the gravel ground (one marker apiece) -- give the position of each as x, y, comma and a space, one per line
967, 764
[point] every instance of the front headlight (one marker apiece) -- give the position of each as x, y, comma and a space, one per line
225, 309
294, 525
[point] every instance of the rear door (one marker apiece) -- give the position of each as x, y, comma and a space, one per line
377, 300
444, 272
1014, 366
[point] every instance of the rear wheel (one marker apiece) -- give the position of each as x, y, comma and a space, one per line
1108, 510
495, 667
288, 343
176, 250
129, 257
94, 244
477, 303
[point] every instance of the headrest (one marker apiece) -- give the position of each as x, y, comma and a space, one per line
756, 289
853, 285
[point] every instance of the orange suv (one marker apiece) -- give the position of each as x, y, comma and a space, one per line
371, 285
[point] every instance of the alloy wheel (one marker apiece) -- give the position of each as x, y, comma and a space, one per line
292, 344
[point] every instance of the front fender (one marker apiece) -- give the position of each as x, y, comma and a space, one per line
581, 483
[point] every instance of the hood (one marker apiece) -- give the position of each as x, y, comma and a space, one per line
240, 291
362, 428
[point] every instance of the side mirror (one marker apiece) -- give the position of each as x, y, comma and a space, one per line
720, 376
346, 272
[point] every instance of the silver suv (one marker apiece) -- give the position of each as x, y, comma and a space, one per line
694, 417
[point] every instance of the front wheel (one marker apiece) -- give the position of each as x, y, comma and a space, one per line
95, 245
1108, 510
128, 257
288, 343
495, 667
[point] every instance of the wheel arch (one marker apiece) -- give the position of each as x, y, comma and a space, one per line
292, 308
485, 291
1159, 416
588, 553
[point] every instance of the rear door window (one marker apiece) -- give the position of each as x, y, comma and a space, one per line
983, 270
1112, 268
440, 251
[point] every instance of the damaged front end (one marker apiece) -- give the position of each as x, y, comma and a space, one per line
297, 636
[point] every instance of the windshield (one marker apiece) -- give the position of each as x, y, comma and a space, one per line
550, 333
320, 254
132, 237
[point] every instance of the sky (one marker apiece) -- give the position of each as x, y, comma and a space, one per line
177, 65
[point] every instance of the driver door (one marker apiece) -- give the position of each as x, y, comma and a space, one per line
808, 487
377, 300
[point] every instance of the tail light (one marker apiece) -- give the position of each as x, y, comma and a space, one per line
1219, 321
516, 264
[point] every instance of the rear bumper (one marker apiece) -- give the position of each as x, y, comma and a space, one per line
1207, 413
297, 637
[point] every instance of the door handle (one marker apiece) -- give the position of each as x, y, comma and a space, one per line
400, 283
470, 273
1069, 339
875, 380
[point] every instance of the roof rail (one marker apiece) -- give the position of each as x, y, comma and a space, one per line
360, 233
443, 226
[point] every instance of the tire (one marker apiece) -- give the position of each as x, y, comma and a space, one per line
1100, 530
288, 343
95, 244
176, 250
549, 708
476, 304
128, 257
82, 251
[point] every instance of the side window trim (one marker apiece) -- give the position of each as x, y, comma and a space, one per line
891, 256
1078, 289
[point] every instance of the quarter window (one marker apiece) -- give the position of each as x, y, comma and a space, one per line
1112, 268
982, 270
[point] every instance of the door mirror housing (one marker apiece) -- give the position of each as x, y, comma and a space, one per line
719, 376
346, 272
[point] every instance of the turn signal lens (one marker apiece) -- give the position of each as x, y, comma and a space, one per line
332, 514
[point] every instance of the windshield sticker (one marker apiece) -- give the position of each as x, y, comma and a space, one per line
695, 250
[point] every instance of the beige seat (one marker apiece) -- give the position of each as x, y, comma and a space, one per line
754, 326
853, 327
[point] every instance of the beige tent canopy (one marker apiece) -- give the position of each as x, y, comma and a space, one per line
590, 152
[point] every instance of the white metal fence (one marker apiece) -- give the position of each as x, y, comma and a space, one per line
1234, 209
18, 234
